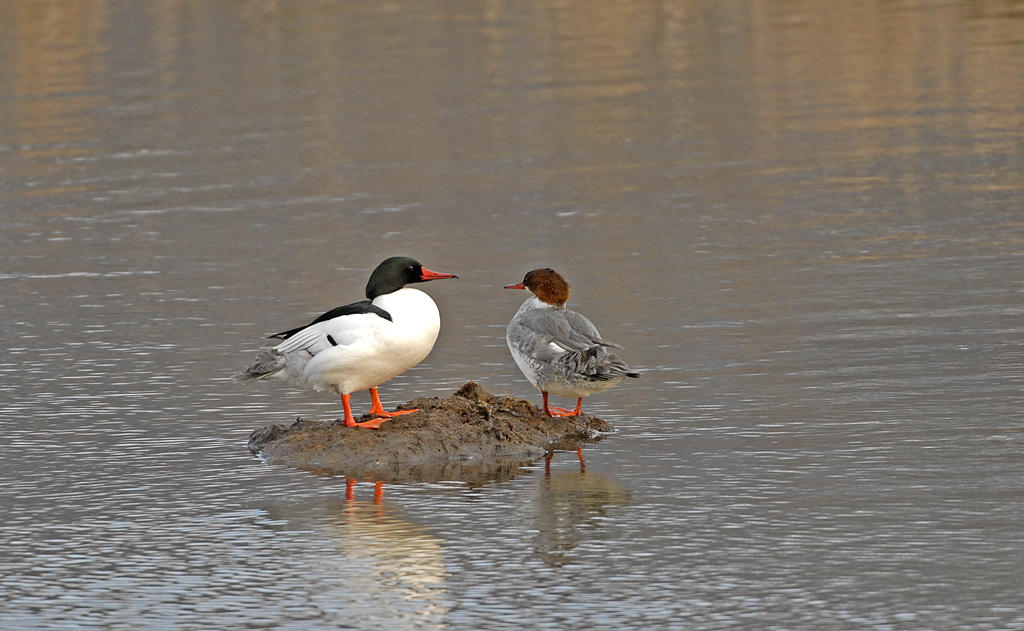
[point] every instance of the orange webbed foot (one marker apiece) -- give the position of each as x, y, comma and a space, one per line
377, 408
388, 415
550, 411
373, 423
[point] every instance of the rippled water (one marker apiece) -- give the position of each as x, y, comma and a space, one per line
803, 221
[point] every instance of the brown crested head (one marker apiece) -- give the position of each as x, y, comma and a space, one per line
548, 285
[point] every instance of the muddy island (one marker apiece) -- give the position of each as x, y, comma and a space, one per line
469, 435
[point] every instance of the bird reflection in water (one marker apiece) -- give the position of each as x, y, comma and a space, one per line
567, 506
391, 555
365, 551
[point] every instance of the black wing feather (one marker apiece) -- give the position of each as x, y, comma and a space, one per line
363, 306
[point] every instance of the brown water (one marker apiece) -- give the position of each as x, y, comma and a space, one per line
803, 220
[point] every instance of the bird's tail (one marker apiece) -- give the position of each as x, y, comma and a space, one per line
596, 363
268, 363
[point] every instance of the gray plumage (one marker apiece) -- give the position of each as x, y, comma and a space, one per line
562, 352
270, 362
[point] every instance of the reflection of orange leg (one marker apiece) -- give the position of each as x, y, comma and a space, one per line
562, 411
350, 490
350, 421
550, 455
378, 409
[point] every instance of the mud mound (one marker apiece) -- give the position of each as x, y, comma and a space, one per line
468, 435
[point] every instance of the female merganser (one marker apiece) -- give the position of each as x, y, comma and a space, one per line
361, 345
560, 351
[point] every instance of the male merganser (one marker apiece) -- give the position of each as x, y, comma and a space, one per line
560, 351
361, 345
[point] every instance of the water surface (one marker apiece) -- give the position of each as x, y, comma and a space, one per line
801, 219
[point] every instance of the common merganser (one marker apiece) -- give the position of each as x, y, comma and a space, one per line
560, 351
360, 345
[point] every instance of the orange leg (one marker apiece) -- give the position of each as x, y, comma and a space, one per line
378, 409
562, 411
350, 421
